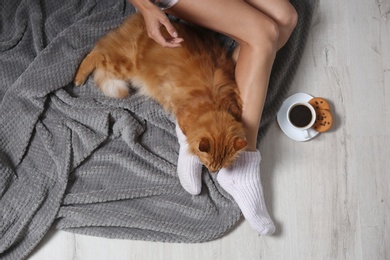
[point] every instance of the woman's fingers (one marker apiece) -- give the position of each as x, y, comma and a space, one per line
155, 18
173, 41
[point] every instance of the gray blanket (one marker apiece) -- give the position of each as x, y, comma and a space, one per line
75, 160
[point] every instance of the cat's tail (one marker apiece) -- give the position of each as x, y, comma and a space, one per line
89, 64
110, 85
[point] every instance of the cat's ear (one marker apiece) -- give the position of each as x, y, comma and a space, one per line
204, 145
239, 144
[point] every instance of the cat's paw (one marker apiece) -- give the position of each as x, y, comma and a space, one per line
78, 80
80, 77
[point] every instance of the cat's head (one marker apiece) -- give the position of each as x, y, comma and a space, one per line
217, 140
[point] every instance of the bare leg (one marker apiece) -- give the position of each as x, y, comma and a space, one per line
285, 17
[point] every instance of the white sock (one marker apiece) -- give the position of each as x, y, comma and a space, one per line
189, 167
242, 182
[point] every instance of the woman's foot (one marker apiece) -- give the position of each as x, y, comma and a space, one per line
242, 182
189, 167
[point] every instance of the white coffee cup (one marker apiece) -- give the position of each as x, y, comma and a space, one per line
301, 116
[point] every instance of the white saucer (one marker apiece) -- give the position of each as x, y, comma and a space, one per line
293, 133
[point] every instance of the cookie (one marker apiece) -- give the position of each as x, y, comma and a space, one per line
319, 103
324, 120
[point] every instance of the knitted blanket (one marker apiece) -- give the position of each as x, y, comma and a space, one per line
73, 159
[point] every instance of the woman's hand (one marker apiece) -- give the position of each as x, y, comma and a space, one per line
154, 19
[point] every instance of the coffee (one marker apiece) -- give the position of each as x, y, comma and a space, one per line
300, 115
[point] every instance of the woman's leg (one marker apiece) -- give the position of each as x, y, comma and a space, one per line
285, 16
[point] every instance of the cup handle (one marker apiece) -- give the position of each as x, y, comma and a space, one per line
306, 134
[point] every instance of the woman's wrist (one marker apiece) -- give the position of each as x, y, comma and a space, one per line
164, 4
142, 5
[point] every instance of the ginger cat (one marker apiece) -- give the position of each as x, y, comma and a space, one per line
195, 82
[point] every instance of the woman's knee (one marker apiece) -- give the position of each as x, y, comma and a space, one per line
263, 33
281, 11
286, 18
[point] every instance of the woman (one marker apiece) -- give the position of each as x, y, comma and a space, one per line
261, 28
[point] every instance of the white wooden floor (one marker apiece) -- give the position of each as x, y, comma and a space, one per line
329, 196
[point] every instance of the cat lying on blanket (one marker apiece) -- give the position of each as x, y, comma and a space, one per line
195, 82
